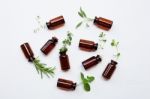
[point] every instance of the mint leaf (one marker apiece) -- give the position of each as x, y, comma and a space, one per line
90, 78
87, 87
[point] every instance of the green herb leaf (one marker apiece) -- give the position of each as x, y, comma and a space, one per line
79, 24
66, 42
87, 87
86, 81
90, 78
82, 76
40, 67
83, 13
80, 14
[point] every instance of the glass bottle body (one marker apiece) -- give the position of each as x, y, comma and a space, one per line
87, 45
92, 61
66, 84
64, 61
55, 23
109, 70
26, 49
103, 23
49, 45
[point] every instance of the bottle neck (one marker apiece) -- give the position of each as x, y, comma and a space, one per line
113, 62
98, 58
95, 46
31, 59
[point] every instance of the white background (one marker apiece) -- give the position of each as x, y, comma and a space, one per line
19, 79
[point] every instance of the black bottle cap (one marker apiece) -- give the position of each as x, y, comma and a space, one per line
95, 46
47, 24
95, 19
74, 86
54, 39
114, 62
98, 58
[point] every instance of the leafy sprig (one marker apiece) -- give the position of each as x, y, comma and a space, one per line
66, 42
85, 20
102, 40
42, 69
40, 24
115, 44
86, 82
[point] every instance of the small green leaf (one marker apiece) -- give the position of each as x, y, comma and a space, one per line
90, 78
87, 87
83, 13
82, 76
113, 43
104, 40
80, 14
79, 24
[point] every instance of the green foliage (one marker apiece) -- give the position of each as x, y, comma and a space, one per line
86, 81
115, 44
102, 40
42, 69
66, 42
85, 20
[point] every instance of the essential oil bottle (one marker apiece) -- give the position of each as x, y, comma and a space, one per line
55, 23
66, 84
103, 23
109, 70
64, 61
92, 61
49, 45
87, 45
27, 52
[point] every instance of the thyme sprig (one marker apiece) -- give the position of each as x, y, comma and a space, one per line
84, 17
102, 40
42, 69
115, 44
40, 24
66, 42
86, 81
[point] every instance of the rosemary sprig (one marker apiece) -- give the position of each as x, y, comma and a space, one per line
86, 81
66, 42
41, 69
115, 44
84, 17
102, 40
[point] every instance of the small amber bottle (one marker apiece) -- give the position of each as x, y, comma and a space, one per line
103, 23
49, 45
27, 52
109, 70
64, 61
55, 23
92, 61
87, 45
66, 84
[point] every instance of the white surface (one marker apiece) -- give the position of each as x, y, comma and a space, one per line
19, 79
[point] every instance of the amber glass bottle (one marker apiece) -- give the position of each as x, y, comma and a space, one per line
66, 84
27, 51
64, 61
92, 61
55, 23
87, 45
49, 45
109, 70
103, 23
